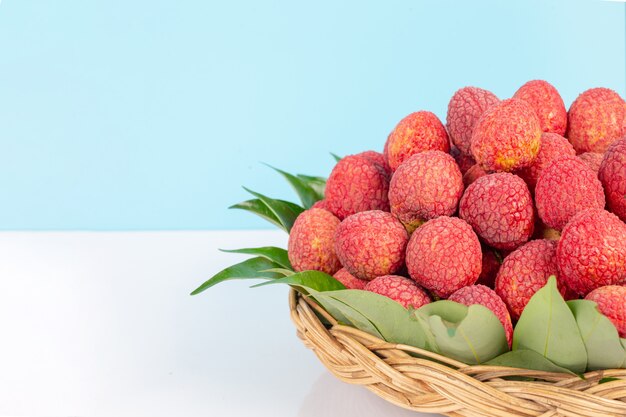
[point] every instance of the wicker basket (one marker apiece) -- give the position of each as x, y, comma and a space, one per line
424, 381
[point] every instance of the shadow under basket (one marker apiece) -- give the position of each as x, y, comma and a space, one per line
423, 381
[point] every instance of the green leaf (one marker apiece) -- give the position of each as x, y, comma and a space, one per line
259, 208
608, 379
472, 335
345, 314
547, 326
393, 322
527, 359
318, 184
284, 211
604, 349
249, 269
337, 158
274, 254
282, 271
308, 196
314, 280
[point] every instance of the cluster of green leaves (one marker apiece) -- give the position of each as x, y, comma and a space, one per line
551, 335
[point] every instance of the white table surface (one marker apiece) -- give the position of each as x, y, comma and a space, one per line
101, 324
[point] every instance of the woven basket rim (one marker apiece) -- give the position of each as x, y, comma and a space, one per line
424, 381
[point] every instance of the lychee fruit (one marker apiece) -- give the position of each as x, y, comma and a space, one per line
592, 159
418, 132
321, 204
565, 187
491, 265
596, 119
507, 137
311, 243
464, 161
612, 174
356, 184
500, 209
547, 104
371, 243
378, 159
553, 146
466, 106
611, 301
473, 174
444, 255
592, 251
485, 296
525, 271
400, 289
427, 185
348, 280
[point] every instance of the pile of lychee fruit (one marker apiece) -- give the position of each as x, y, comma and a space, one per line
484, 209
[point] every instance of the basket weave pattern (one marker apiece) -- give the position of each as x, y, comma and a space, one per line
424, 381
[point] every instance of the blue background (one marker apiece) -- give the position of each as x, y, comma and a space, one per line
151, 114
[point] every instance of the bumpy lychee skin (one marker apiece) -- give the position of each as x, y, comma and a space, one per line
321, 204
485, 296
596, 119
466, 106
378, 159
400, 289
612, 174
312, 242
444, 255
547, 103
418, 132
592, 251
491, 266
356, 184
464, 161
507, 136
565, 187
524, 272
500, 209
553, 146
371, 243
348, 280
592, 159
473, 174
611, 301
427, 185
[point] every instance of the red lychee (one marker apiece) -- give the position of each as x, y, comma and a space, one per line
321, 204
466, 106
611, 301
596, 119
444, 255
356, 184
473, 174
312, 242
500, 209
553, 147
348, 280
378, 159
592, 251
464, 161
507, 136
400, 289
547, 103
612, 174
427, 185
371, 243
565, 187
491, 266
485, 296
592, 159
418, 132
524, 272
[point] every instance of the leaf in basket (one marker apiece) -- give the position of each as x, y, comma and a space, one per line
527, 359
547, 326
274, 254
249, 269
318, 184
604, 349
472, 335
394, 322
307, 195
315, 280
259, 208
